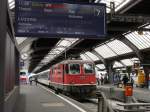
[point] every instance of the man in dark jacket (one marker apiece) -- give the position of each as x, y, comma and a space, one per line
36, 80
30, 80
125, 80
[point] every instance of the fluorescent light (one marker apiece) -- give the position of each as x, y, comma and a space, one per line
9, 1
12, 6
57, 50
122, 4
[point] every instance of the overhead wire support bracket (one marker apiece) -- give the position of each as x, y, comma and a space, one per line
112, 9
134, 18
130, 18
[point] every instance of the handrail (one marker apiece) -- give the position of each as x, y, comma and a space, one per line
134, 107
134, 104
108, 105
134, 100
103, 105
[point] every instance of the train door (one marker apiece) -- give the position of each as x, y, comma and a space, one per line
63, 72
60, 73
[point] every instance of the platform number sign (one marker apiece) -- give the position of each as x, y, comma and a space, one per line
49, 18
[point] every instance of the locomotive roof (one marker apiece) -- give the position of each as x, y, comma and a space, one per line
77, 61
74, 61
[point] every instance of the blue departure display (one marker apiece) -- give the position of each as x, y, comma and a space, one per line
46, 18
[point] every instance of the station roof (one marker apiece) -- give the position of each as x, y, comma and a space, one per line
127, 40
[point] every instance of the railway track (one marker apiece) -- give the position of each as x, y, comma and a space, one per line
91, 104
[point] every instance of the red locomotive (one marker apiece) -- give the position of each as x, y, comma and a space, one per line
73, 76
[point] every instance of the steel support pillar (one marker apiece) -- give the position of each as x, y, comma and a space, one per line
99, 56
109, 68
146, 66
3, 30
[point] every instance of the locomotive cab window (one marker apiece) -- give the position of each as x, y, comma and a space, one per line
88, 68
74, 69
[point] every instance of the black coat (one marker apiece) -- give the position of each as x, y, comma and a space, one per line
125, 79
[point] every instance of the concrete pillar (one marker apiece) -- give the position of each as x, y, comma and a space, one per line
17, 67
3, 29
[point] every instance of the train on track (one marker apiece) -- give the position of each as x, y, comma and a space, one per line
75, 77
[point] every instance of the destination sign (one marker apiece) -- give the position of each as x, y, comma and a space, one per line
46, 18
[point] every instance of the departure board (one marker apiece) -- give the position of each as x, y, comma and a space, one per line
49, 18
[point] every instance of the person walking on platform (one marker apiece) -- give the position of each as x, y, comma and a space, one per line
102, 79
125, 80
36, 80
30, 80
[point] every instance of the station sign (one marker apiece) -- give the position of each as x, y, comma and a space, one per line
58, 18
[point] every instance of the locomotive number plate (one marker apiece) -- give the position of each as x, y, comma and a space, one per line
82, 77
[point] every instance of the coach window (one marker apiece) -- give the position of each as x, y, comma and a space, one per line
52, 71
88, 68
74, 68
66, 69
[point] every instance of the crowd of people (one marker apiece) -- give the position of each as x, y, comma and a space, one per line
101, 78
122, 79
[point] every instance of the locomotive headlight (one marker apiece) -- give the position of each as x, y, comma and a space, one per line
72, 83
92, 82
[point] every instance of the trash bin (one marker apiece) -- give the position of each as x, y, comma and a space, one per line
128, 89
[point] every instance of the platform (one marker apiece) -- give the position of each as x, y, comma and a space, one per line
141, 94
40, 99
